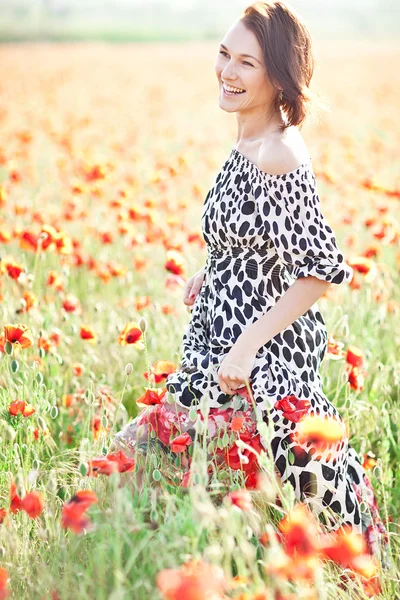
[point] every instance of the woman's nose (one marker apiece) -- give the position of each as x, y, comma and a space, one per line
228, 74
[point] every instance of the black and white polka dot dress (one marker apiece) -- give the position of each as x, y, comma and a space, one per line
262, 232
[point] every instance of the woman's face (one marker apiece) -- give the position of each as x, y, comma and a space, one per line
247, 73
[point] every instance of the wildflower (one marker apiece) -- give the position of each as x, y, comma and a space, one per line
160, 370
181, 442
4, 590
124, 463
345, 546
55, 280
318, 430
21, 407
18, 335
96, 426
356, 379
101, 466
77, 369
117, 462
354, 356
14, 270
71, 304
241, 499
302, 568
369, 461
243, 459
151, 397
195, 580
131, 336
237, 423
29, 300
299, 532
88, 334
292, 408
174, 262
32, 503
334, 348
36, 433
73, 511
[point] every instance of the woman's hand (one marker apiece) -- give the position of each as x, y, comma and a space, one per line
193, 287
235, 369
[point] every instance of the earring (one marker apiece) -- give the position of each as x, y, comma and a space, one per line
281, 96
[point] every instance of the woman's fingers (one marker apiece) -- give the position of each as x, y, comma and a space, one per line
187, 297
192, 289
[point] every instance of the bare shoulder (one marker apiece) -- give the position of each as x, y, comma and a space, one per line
282, 154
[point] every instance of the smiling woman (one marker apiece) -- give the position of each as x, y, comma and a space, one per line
265, 233
272, 72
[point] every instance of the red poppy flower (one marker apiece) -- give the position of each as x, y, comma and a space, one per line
151, 397
237, 423
88, 334
15, 500
132, 335
4, 590
18, 335
369, 461
299, 532
356, 379
241, 499
14, 270
160, 370
101, 466
32, 503
344, 547
293, 409
180, 443
174, 262
73, 511
232, 455
112, 463
16, 407
71, 304
354, 356
125, 463
195, 580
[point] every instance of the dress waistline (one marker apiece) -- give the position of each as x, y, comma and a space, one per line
255, 260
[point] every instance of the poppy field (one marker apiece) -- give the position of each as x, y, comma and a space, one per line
106, 156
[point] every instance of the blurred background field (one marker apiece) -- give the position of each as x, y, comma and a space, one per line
111, 149
140, 20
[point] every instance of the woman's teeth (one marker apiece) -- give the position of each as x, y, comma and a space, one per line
231, 91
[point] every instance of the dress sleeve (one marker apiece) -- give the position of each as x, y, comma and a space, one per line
289, 205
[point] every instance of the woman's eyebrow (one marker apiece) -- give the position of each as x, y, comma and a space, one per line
249, 55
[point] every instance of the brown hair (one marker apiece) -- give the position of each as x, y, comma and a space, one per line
286, 45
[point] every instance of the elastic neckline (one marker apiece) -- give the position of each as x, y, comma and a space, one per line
239, 157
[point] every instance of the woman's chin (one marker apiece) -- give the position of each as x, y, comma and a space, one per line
225, 106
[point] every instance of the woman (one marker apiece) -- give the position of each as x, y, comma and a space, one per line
271, 255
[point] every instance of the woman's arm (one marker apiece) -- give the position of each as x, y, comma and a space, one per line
297, 299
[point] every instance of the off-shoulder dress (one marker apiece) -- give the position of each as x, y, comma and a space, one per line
262, 232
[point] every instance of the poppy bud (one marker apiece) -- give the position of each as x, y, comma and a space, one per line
128, 369
142, 324
377, 472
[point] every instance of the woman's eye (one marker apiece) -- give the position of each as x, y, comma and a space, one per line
244, 62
